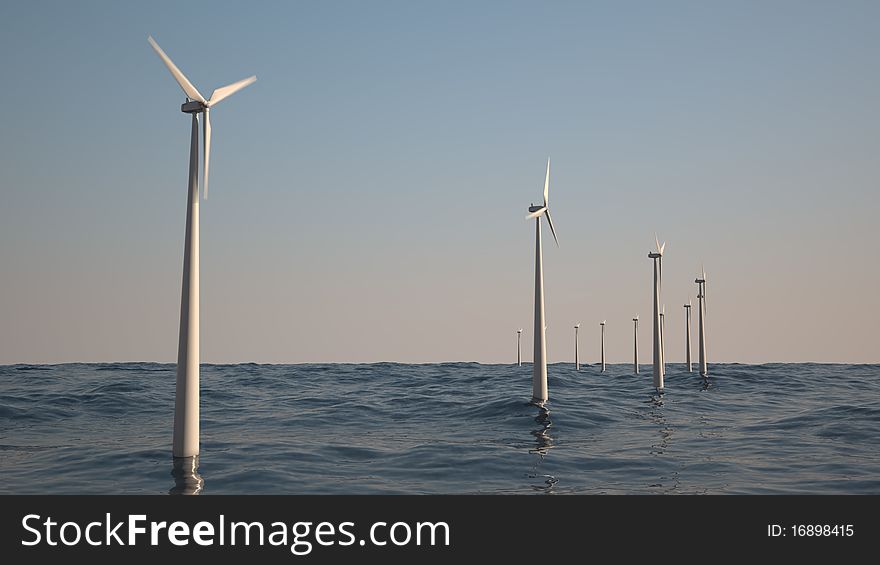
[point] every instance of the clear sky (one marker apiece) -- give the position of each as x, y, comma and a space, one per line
368, 193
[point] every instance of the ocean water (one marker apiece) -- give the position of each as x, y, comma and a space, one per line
444, 428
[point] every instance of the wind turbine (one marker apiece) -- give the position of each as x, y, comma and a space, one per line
636, 344
539, 368
602, 323
687, 328
701, 295
186, 404
518, 348
657, 256
577, 363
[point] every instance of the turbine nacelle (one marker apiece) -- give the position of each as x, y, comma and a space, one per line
192, 107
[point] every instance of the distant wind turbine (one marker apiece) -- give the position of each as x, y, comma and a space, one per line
518, 348
539, 368
602, 323
657, 256
186, 404
687, 328
577, 363
701, 295
636, 344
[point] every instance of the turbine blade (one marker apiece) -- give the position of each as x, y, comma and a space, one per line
656, 242
547, 184
661, 273
536, 213
662, 247
181, 79
207, 136
550, 223
230, 89
703, 276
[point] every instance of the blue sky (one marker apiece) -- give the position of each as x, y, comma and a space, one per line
368, 192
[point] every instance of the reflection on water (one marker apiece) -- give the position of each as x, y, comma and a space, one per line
657, 416
542, 434
186, 476
656, 413
543, 444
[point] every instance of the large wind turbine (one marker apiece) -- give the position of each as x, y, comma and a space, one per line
701, 294
539, 368
186, 404
518, 348
577, 362
602, 323
636, 344
687, 329
657, 256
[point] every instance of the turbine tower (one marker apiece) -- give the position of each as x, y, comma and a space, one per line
701, 295
186, 403
577, 363
518, 348
602, 323
636, 344
687, 329
539, 368
657, 256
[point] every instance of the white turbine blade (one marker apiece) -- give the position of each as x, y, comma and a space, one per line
662, 247
229, 90
661, 273
184, 82
547, 184
536, 213
656, 242
705, 302
207, 136
550, 223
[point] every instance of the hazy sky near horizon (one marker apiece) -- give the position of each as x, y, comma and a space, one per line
368, 193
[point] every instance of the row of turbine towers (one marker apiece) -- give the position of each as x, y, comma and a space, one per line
539, 366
